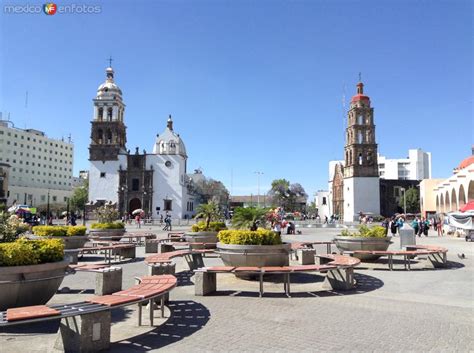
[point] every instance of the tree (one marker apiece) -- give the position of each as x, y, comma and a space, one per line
286, 195
79, 197
412, 200
249, 217
209, 211
206, 190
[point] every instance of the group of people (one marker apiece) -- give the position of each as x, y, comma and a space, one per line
420, 226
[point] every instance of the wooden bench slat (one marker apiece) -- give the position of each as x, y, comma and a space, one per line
30, 312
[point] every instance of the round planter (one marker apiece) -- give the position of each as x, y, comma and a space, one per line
107, 234
73, 241
362, 243
201, 237
254, 255
30, 285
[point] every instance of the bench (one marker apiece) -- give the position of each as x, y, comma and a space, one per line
436, 255
138, 238
193, 258
339, 276
108, 278
85, 326
111, 251
305, 251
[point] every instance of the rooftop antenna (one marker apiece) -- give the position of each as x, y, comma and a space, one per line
69, 139
26, 99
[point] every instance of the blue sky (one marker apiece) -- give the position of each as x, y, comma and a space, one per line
252, 85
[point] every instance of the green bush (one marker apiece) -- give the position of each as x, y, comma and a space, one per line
248, 237
213, 227
59, 231
366, 232
31, 252
116, 225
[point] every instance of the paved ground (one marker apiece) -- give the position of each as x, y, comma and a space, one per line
420, 310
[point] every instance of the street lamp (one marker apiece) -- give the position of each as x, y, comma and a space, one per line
404, 201
258, 187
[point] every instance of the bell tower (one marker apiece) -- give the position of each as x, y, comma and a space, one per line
361, 175
108, 136
360, 149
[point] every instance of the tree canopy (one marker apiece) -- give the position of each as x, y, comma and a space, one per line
286, 195
412, 200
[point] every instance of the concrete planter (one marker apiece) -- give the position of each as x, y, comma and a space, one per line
107, 234
362, 243
201, 237
254, 255
74, 241
30, 285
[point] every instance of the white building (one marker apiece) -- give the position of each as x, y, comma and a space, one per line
417, 166
323, 204
156, 182
39, 165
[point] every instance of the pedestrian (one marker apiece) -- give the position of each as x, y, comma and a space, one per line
425, 226
439, 228
137, 220
277, 228
416, 225
393, 226
161, 219
385, 224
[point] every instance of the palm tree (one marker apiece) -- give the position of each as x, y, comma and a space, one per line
209, 211
249, 217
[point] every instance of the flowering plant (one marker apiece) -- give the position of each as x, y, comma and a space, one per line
11, 227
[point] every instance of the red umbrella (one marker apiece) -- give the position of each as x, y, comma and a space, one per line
467, 207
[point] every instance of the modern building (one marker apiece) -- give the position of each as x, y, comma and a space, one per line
417, 166
155, 182
456, 191
4, 173
39, 165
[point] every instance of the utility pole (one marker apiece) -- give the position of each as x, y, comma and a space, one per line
258, 187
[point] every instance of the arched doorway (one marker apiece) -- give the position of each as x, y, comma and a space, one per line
453, 200
470, 191
462, 197
134, 204
447, 202
441, 208
438, 209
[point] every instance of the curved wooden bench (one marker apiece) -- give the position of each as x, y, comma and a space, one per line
339, 274
86, 325
125, 250
193, 258
436, 254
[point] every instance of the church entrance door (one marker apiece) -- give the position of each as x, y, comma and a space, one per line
135, 204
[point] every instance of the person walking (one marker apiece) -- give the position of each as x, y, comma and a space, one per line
138, 220
393, 227
439, 228
415, 225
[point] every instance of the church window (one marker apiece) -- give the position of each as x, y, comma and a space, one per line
101, 113
360, 158
100, 135
109, 136
168, 164
167, 206
360, 119
109, 114
135, 184
102, 174
359, 137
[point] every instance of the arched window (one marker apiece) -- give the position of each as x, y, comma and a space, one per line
172, 146
350, 157
369, 158
347, 158
360, 139
109, 114
109, 136
100, 136
360, 119
100, 114
360, 158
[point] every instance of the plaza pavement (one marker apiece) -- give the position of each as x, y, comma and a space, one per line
422, 310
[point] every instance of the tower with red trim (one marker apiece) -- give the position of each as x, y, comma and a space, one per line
361, 175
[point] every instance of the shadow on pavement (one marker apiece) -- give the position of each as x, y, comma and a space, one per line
187, 317
184, 278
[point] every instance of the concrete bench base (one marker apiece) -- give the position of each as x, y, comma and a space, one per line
84, 333
108, 281
205, 283
306, 256
71, 255
151, 246
340, 279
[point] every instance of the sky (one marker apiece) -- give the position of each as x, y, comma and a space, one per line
253, 86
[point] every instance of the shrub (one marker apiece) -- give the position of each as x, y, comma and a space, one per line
31, 252
59, 231
213, 227
115, 225
248, 237
106, 214
366, 232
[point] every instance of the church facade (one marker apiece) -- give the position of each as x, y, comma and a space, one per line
155, 182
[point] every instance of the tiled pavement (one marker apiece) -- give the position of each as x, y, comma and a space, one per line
420, 310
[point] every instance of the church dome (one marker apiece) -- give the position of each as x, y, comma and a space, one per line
360, 94
169, 142
466, 162
109, 88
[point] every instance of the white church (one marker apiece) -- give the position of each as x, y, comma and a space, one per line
156, 182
